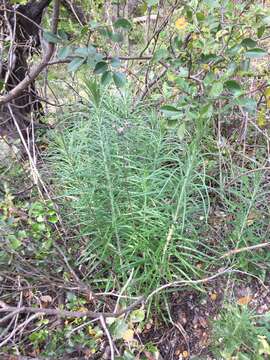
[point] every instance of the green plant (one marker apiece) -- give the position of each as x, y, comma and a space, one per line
240, 334
132, 189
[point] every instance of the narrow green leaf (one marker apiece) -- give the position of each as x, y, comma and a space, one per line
181, 131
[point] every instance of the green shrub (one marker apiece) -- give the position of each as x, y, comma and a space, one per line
132, 192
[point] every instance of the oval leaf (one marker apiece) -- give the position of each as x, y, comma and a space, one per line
170, 110
233, 86
256, 53
101, 67
75, 64
106, 78
216, 90
119, 79
51, 37
122, 23
64, 52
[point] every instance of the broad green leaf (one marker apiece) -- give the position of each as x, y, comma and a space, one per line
172, 123
170, 110
206, 111
50, 37
75, 64
152, 2
119, 328
15, 243
233, 86
106, 78
248, 104
216, 90
160, 54
2, 83
115, 62
200, 16
122, 23
264, 345
84, 52
101, 67
256, 53
64, 52
128, 355
249, 43
137, 316
208, 57
266, 20
117, 37
62, 34
93, 24
119, 79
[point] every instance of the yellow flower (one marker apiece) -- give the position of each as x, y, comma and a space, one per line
181, 23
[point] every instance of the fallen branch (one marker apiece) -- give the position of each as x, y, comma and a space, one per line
247, 248
66, 313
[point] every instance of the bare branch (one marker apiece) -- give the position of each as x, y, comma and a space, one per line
37, 69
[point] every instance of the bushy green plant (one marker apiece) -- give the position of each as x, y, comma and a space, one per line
239, 335
132, 189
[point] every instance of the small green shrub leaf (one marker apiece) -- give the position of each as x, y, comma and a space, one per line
119, 79
170, 110
233, 86
216, 90
152, 2
51, 38
106, 78
256, 53
64, 52
101, 67
75, 64
123, 23
249, 43
119, 327
137, 316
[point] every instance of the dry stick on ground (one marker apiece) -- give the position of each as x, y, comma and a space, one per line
247, 248
66, 313
16, 329
103, 324
92, 314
